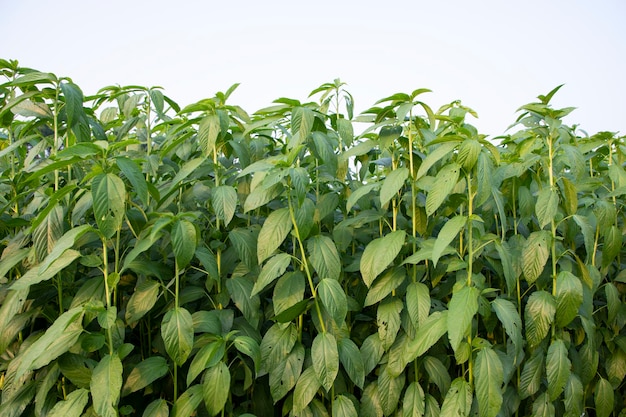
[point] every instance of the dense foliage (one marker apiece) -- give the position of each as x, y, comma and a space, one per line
203, 261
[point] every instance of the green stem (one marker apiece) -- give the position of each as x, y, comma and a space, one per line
105, 269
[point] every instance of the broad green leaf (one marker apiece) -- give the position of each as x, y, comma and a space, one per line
249, 347
535, 255
372, 351
145, 373
569, 297
391, 389
370, 401
224, 201
306, 388
274, 268
183, 242
261, 196
240, 290
65, 242
557, 368
417, 302
384, 285
244, 242
284, 375
325, 358
604, 398
446, 235
488, 381
613, 301
300, 182
302, 119
547, 206
288, 291
324, 257
106, 382
142, 300
573, 394
542, 407
352, 361
468, 153
277, 342
188, 402
392, 184
304, 214
588, 234
462, 308
511, 321
157, 408
208, 131
216, 387
273, 232
72, 406
442, 186
442, 150
612, 245
570, 196
539, 316
187, 169
48, 232
133, 173
57, 340
76, 117
388, 321
109, 199
437, 373
29, 108
177, 334
427, 334
413, 404
532, 374
458, 400
506, 259
333, 299
379, 254
34, 276
208, 356
359, 193
344, 407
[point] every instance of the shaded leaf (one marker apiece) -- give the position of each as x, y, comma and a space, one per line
106, 382
177, 333
324, 257
325, 358
489, 380
145, 373
274, 268
333, 299
535, 254
216, 387
446, 235
461, 310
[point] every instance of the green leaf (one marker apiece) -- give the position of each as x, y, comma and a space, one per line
187, 169
224, 201
468, 153
249, 347
359, 193
391, 389
324, 257
557, 368
284, 375
535, 254
244, 242
547, 206
511, 321
288, 291
183, 242
613, 301
532, 375
370, 401
302, 119
588, 234
417, 303
64, 243
344, 407
446, 235
274, 231
275, 267
109, 198
569, 297
261, 196
392, 184
462, 308
72, 406
573, 400
442, 186
277, 342
35, 276
604, 398
144, 374
106, 382
539, 316
208, 131
379, 254
306, 388
208, 356
372, 351
427, 334
157, 408
352, 361
133, 173
333, 299
188, 402
388, 321
612, 245
57, 339
489, 380
177, 334
442, 150
325, 358
384, 285
240, 289
437, 373
413, 404
542, 407
142, 300
216, 387
458, 400
304, 214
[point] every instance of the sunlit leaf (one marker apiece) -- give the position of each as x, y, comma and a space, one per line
106, 383
444, 183
462, 309
273, 232
216, 387
379, 254
489, 380
177, 333
325, 359
539, 316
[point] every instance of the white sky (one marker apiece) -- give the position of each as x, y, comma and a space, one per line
493, 55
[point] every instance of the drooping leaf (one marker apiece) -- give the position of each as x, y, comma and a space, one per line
444, 183
539, 316
604, 398
372, 351
547, 206
284, 375
390, 387
359, 193
133, 173
277, 342
208, 356
188, 402
388, 321
344, 407
557, 368
72, 406
35, 276
273, 232
446, 235
324, 257
569, 297
441, 151
427, 334
333, 299
177, 333
462, 308
157, 408
352, 361
240, 290
384, 285
489, 380
325, 358
224, 201
109, 198
418, 302
413, 404
535, 254
458, 400
142, 300
183, 242
244, 242
216, 387
288, 291
468, 153
274, 268
532, 374
573, 396
249, 347
437, 373
510, 319
145, 373
542, 407
392, 184
306, 388
105, 386
379, 254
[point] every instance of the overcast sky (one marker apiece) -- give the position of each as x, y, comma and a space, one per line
493, 55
